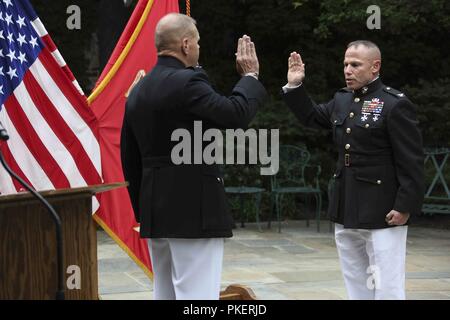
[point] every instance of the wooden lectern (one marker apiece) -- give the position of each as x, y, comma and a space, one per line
28, 265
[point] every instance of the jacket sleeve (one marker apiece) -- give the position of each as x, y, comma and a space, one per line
131, 164
235, 111
407, 149
307, 111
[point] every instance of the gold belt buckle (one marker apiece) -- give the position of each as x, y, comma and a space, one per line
347, 160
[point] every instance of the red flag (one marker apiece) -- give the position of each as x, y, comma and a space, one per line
134, 52
53, 133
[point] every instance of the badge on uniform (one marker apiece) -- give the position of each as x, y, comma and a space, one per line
372, 109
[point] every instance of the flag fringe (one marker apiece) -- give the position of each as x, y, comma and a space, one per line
122, 245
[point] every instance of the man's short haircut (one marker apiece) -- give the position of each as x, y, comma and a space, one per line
366, 43
171, 28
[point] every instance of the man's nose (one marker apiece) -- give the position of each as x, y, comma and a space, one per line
347, 70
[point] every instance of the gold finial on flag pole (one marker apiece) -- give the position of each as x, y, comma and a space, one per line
188, 8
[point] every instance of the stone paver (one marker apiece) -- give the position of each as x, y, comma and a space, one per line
297, 263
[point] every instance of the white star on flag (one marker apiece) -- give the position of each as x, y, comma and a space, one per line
10, 37
22, 57
33, 41
21, 39
39, 90
21, 22
8, 19
12, 73
7, 3
12, 55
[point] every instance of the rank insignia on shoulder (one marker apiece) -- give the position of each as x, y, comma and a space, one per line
394, 92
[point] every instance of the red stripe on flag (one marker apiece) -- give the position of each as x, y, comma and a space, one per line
14, 167
52, 47
49, 43
34, 144
62, 130
68, 72
78, 101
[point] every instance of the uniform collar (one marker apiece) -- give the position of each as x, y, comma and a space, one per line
169, 61
369, 88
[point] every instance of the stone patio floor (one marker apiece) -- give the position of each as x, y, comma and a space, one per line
297, 264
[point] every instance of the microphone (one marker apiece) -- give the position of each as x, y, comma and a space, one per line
3, 134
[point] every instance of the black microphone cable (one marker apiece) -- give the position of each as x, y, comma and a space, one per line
60, 295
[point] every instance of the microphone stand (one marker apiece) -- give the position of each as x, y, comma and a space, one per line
59, 240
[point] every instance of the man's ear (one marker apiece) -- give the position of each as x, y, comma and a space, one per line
185, 46
376, 66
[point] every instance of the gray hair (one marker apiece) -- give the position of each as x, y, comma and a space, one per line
172, 28
366, 43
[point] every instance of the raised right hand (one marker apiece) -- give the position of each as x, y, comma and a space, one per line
246, 58
296, 71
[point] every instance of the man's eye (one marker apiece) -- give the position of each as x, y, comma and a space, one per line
354, 65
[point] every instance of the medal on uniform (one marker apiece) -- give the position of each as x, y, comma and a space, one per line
372, 108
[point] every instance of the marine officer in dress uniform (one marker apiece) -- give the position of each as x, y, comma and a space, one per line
182, 208
379, 179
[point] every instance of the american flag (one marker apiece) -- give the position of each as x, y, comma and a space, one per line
53, 134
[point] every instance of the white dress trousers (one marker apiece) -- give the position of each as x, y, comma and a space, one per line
373, 262
186, 269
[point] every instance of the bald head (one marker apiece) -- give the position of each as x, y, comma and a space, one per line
171, 30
